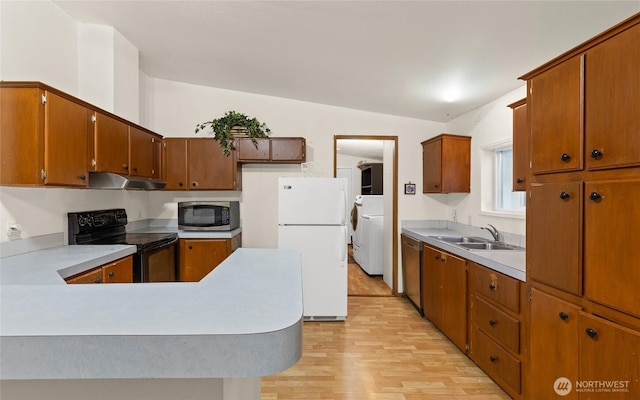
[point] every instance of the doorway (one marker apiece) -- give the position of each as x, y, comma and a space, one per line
369, 148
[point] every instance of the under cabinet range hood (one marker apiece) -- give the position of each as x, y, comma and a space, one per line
109, 180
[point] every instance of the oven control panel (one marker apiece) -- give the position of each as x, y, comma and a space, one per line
90, 221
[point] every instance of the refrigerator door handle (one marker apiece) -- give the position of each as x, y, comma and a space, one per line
343, 244
344, 207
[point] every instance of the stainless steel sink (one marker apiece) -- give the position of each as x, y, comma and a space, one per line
459, 239
485, 246
474, 243
448, 239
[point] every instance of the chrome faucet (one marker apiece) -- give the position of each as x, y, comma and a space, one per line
494, 232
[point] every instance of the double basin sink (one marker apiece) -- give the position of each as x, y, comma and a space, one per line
475, 243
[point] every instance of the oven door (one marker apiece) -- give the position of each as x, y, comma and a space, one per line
157, 264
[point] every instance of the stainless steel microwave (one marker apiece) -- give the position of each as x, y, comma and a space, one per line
208, 215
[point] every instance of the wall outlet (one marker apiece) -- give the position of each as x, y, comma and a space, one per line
13, 230
454, 216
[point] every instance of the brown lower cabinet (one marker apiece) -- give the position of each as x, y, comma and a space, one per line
593, 354
119, 271
445, 293
495, 328
198, 257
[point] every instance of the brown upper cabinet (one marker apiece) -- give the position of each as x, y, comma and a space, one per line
446, 164
600, 81
199, 164
273, 150
44, 138
520, 145
124, 149
52, 138
144, 153
611, 89
556, 129
111, 145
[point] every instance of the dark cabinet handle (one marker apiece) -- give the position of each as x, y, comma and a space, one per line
194, 184
492, 287
111, 274
564, 195
98, 280
83, 177
180, 184
591, 332
437, 257
595, 196
190, 247
125, 167
519, 180
563, 316
493, 358
135, 169
436, 185
492, 322
565, 157
596, 154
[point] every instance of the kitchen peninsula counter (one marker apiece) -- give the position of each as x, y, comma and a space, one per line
240, 322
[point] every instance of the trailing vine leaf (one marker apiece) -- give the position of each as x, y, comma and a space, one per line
223, 129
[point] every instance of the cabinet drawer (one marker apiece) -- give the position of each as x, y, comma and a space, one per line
91, 276
496, 361
498, 287
497, 324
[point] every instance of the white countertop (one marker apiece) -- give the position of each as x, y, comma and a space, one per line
244, 319
509, 262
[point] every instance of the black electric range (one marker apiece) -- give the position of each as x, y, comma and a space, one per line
155, 258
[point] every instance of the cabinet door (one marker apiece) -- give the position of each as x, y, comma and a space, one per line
91, 276
248, 151
554, 235
288, 150
555, 109
608, 354
111, 142
175, 163
454, 299
21, 136
520, 145
611, 250
432, 285
553, 347
198, 257
209, 168
432, 166
65, 142
142, 153
120, 271
612, 101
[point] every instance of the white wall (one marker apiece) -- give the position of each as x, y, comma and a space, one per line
38, 42
488, 124
178, 107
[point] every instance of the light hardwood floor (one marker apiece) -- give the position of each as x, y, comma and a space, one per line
361, 284
383, 351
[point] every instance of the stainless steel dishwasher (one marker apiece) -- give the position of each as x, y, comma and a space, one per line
412, 271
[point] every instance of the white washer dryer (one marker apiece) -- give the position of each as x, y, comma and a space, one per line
366, 219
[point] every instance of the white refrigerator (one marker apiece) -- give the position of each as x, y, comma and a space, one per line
312, 218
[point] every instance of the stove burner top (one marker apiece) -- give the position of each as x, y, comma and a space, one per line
141, 240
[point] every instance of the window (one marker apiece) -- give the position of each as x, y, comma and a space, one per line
505, 199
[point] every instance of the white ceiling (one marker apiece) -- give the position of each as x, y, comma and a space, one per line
431, 60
